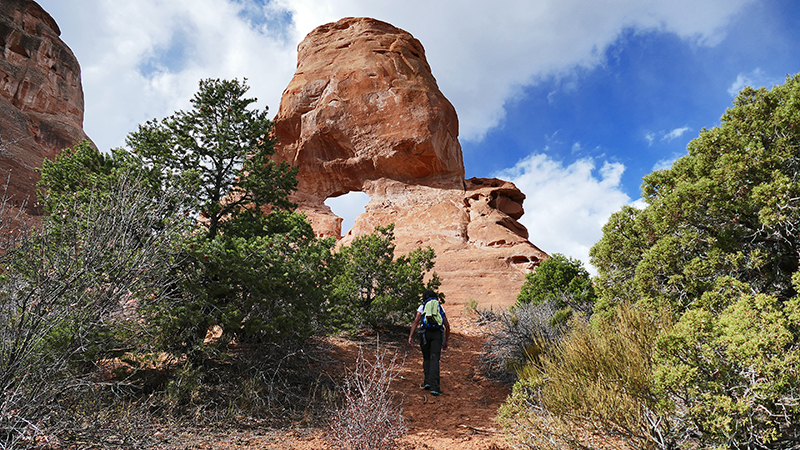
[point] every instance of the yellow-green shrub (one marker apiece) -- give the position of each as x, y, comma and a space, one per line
597, 384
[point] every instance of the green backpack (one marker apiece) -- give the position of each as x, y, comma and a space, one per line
432, 315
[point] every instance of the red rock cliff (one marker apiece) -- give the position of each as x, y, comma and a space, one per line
364, 113
41, 99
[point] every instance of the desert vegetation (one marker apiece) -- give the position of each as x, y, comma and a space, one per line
368, 418
171, 282
694, 334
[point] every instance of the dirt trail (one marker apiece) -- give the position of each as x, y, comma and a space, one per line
461, 418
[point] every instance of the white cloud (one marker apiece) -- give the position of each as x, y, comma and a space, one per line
755, 79
664, 164
741, 81
143, 59
482, 55
667, 163
675, 134
639, 203
566, 207
668, 136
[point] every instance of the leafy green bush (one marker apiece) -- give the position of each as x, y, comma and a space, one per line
562, 281
373, 287
258, 289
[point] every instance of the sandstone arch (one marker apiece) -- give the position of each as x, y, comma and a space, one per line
364, 113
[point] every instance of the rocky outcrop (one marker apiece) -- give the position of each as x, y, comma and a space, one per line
364, 113
41, 99
363, 106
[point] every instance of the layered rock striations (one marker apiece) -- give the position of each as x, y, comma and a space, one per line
364, 113
41, 98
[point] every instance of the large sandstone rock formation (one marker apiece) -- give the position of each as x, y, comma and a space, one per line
364, 113
41, 99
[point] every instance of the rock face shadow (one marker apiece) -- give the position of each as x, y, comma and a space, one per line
363, 112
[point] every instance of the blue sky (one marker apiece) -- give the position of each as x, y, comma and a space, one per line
573, 100
653, 93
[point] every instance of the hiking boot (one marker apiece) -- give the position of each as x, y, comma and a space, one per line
425, 386
436, 392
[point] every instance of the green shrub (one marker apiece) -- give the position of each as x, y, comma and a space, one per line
255, 288
733, 374
562, 281
372, 287
597, 384
470, 306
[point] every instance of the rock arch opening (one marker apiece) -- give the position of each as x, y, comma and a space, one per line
348, 206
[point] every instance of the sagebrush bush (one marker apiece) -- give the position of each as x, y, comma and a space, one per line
66, 293
598, 383
368, 419
517, 337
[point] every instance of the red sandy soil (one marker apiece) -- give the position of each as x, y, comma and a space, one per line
461, 418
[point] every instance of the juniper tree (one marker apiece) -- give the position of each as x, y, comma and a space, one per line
717, 248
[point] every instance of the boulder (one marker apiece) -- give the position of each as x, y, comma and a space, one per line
41, 98
363, 113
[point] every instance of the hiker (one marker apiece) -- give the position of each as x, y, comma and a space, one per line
434, 336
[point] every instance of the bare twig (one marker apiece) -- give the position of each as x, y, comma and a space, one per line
368, 419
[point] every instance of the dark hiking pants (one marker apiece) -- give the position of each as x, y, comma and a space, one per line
431, 344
